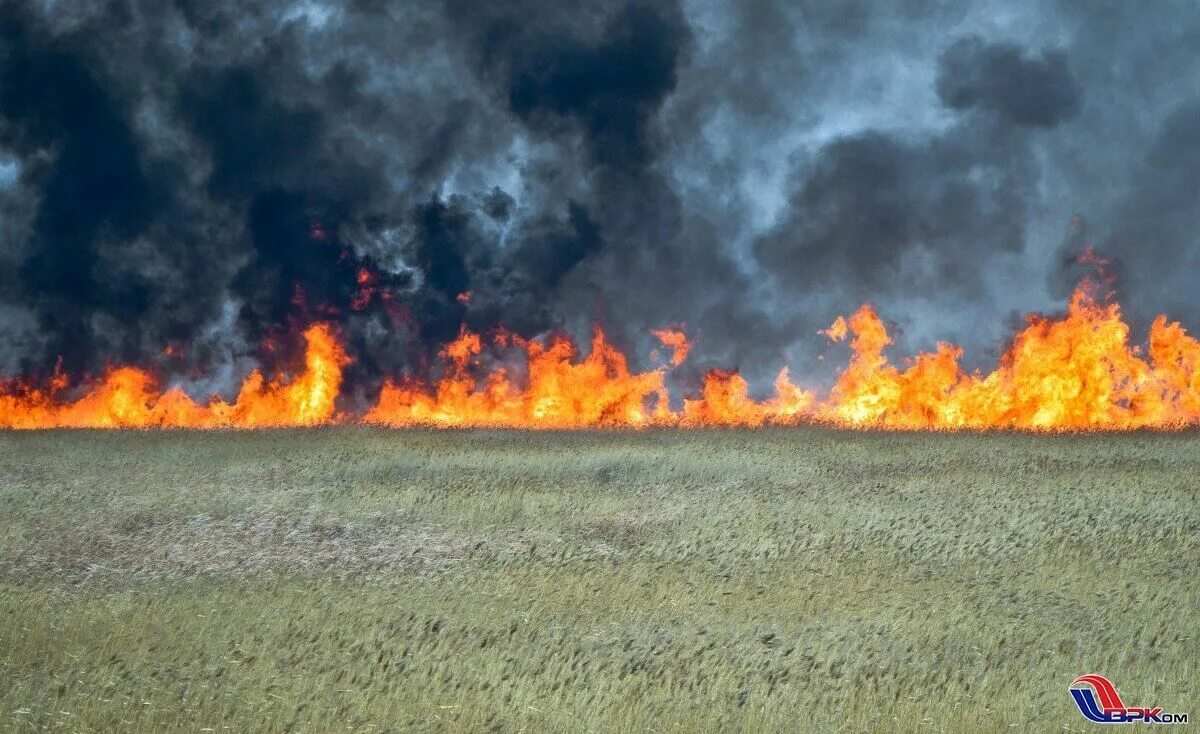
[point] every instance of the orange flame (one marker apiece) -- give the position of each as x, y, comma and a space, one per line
836, 331
128, 397
677, 341
1075, 372
598, 391
725, 401
366, 289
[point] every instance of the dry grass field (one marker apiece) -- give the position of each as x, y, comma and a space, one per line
350, 579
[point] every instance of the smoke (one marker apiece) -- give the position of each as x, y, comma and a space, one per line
214, 175
1000, 79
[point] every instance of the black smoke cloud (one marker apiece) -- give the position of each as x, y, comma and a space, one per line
1000, 78
96, 188
923, 216
215, 175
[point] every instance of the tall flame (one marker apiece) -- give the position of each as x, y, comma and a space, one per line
1075, 372
128, 397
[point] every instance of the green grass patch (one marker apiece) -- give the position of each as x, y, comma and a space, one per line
352, 579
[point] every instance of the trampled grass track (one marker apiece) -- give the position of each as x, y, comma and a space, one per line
367, 580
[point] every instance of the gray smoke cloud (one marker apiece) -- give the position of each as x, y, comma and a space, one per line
212, 174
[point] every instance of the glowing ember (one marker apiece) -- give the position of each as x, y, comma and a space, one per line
1075, 372
366, 289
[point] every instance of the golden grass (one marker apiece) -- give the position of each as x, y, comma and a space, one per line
367, 580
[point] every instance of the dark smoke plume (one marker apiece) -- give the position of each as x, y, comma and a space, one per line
213, 175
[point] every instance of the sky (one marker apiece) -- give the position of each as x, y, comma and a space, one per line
211, 174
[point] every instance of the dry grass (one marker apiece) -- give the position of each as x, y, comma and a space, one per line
358, 579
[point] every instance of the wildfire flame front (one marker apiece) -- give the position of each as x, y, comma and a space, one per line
1076, 372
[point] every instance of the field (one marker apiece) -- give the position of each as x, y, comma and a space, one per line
350, 579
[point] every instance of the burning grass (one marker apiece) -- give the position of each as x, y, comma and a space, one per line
1080, 371
352, 578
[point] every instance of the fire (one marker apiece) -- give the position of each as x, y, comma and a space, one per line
1078, 372
563, 392
129, 397
725, 401
559, 391
366, 289
837, 330
1075, 372
677, 341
